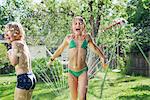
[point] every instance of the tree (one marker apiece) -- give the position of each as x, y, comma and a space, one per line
3, 58
139, 14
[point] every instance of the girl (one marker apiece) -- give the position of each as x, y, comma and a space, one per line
77, 42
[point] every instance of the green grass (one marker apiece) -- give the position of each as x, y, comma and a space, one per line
117, 87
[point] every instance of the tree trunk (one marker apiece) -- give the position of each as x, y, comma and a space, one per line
95, 24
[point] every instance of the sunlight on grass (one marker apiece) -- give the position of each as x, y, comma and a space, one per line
117, 87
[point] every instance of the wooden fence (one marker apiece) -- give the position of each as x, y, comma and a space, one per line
138, 64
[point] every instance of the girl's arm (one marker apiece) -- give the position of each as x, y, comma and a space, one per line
97, 50
60, 49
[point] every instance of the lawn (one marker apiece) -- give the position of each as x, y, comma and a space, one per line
117, 87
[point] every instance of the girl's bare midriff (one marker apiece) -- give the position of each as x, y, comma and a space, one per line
77, 57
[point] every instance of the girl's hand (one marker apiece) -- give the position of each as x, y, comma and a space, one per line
104, 63
50, 62
105, 66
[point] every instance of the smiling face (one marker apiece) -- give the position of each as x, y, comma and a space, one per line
78, 25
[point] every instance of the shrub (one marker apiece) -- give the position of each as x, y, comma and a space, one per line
45, 73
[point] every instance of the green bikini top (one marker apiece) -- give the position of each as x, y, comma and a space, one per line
72, 44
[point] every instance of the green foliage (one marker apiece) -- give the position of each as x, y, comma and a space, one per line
51, 19
121, 63
139, 14
41, 69
3, 57
39, 19
138, 11
117, 42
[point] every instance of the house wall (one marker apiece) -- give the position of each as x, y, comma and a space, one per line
38, 51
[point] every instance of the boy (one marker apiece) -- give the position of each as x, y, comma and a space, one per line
19, 57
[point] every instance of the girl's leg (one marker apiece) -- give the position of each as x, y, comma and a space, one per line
83, 85
29, 95
73, 86
20, 94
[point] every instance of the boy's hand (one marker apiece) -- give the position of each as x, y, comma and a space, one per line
9, 52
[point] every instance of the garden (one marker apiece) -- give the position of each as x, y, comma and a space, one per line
120, 28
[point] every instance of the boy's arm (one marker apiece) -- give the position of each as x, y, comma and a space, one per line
59, 50
97, 50
13, 54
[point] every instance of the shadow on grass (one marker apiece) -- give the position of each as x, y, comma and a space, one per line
142, 88
94, 88
7, 86
135, 97
8, 93
7, 89
119, 80
93, 94
44, 96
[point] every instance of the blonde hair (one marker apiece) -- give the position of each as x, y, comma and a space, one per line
80, 19
16, 29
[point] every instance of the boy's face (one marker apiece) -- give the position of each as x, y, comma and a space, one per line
9, 36
78, 26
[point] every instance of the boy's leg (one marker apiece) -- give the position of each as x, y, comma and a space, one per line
29, 95
20, 94
83, 85
73, 86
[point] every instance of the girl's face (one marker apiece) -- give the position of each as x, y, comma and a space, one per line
78, 26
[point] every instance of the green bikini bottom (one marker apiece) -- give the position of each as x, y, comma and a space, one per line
78, 73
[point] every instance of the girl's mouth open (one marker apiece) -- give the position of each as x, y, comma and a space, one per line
77, 29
